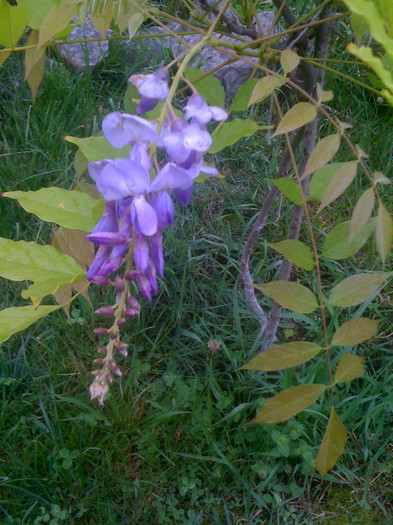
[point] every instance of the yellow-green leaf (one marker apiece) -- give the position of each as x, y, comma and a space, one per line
349, 367
243, 95
299, 115
98, 148
102, 18
289, 60
379, 178
288, 403
72, 209
362, 212
337, 244
339, 183
13, 320
383, 232
34, 64
231, 132
320, 180
356, 289
355, 331
37, 10
290, 189
323, 152
56, 20
134, 22
332, 445
264, 88
294, 296
13, 20
296, 252
283, 356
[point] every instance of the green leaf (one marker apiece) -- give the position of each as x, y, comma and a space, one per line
240, 102
98, 148
134, 22
383, 232
34, 64
56, 20
337, 244
283, 356
20, 260
131, 99
362, 212
290, 189
264, 87
349, 367
296, 252
71, 209
359, 26
323, 152
299, 115
332, 445
320, 180
231, 132
357, 288
289, 60
209, 87
13, 20
355, 331
13, 320
385, 75
339, 183
37, 10
288, 403
294, 296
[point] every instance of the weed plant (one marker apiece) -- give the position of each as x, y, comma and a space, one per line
172, 444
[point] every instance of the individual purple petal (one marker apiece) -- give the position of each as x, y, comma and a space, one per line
151, 276
196, 138
172, 139
122, 206
125, 226
183, 196
111, 266
101, 257
156, 252
165, 210
122, 179
141, 253
108, 221
107, 238
143, 216
122, 129
95, 168
140, 155
146, 104
119, 250
153, 85
143, 285
169, 177
218, 113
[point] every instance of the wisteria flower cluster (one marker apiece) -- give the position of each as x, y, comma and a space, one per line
138, 191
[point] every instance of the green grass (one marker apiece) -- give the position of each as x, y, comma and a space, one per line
171, 444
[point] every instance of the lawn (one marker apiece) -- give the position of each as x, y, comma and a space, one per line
172, 443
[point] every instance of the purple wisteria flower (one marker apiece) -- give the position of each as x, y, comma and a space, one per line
153, 88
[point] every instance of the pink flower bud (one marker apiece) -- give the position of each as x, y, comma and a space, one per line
99, 361
113, 335
134, 303
102, 350
121, 322
100, 331
108, 311
119, 284
130, 312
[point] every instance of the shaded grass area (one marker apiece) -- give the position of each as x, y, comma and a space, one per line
172, 444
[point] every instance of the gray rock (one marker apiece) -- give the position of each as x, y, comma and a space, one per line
232, 75
76, 55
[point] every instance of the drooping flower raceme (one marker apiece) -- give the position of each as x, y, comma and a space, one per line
139, 191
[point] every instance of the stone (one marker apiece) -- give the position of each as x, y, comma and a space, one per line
75, 54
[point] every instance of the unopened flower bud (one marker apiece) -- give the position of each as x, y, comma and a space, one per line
102, 350
96, 373
119, 284
108, 311
134, 303
122, 348
99, 361
131, 276
130, 312
100, 331
116, 370
109, 378
121, 322
100, 279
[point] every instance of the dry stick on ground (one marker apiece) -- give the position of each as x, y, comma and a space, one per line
312, 77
